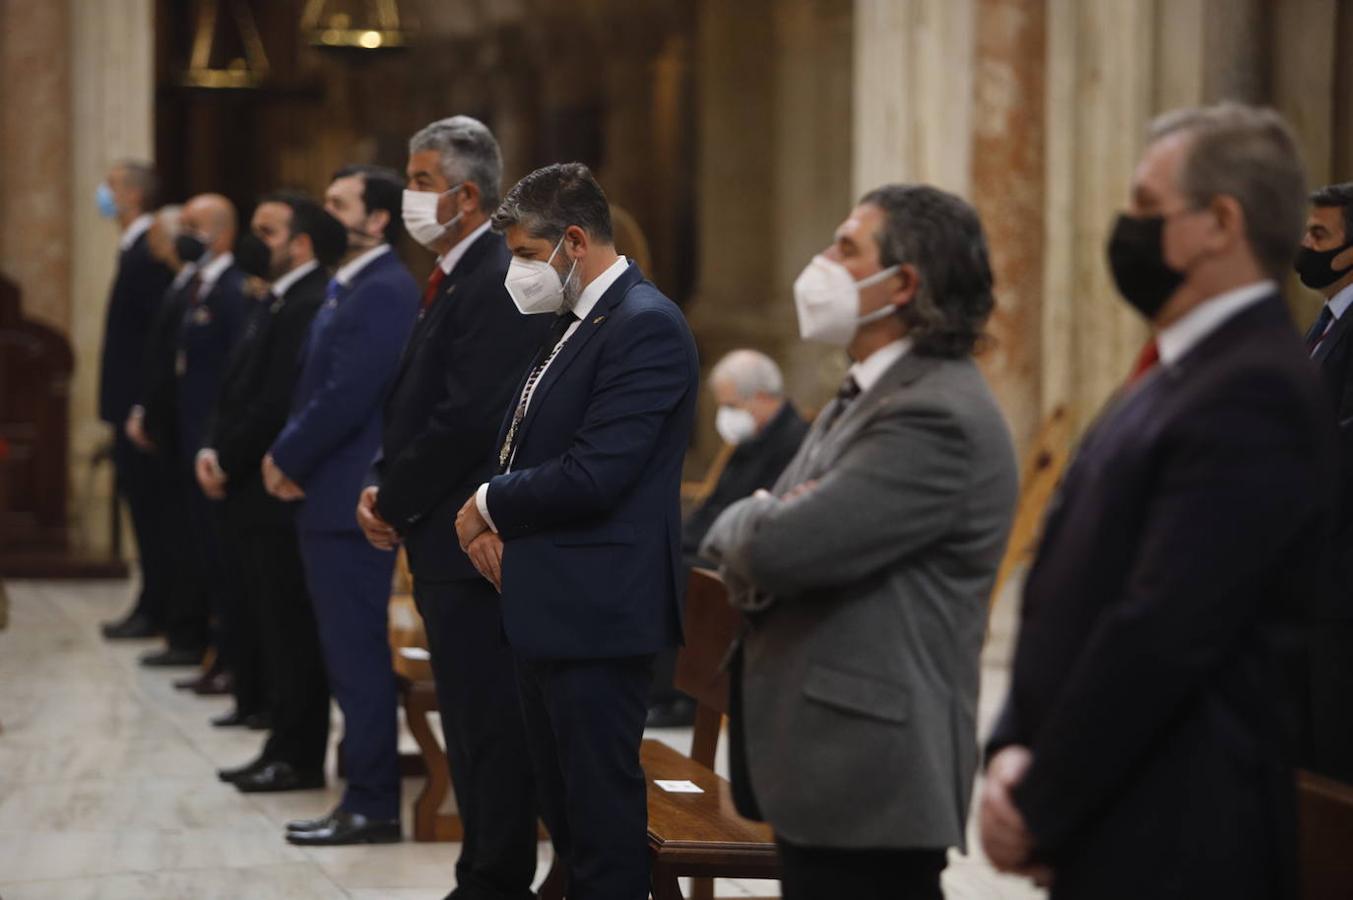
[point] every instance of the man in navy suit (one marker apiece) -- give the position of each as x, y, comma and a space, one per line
1325, 264
322, 457
455, 382
127, 195
581, 528
213, 318
1144, 748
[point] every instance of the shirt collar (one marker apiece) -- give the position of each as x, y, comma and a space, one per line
283, 284
451, 257
350, 269
211, 272
132, 233
869, 370
1340, 302
1181, 336
185, 275
599, 286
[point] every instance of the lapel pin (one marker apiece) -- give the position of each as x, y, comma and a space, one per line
598, 320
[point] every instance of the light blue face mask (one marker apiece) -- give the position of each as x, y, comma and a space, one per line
103, 196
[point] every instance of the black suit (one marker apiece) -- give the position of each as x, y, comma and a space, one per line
457, 376
136, 296
1328, 741
273, 637
1164, 599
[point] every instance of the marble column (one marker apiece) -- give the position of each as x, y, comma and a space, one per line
111, 117
1007, 189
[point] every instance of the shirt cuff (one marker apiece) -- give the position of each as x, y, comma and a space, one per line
481, 500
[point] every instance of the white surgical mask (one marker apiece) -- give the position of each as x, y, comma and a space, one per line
419, 211
827, 299
535, 286
734, 425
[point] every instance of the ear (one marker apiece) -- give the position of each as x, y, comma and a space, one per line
468, 197
381, 220
1230, 218
908, 281
576, 241
1343, 260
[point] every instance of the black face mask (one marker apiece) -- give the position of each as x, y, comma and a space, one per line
1137, 261
1316, 269
253, 257
189, 248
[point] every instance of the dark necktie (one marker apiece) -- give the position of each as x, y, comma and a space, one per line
331, 290
549, 348
1316, 335
845, 395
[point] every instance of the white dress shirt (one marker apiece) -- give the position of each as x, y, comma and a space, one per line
582, 309
1182, 335
869, 370
212, 271
449, 259
350, 269
132, 233
283, 284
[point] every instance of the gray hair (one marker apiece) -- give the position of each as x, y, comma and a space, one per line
468, 152
1250, 154
750, 372
167, 217
141, 175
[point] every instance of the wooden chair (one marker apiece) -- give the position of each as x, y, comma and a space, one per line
693, 493
1042, 473
1325, 808
701, 835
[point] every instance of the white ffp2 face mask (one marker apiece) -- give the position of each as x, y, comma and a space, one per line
535, 286
419, 211
734, 425
827, 300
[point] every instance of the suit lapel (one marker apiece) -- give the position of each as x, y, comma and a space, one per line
1337, 332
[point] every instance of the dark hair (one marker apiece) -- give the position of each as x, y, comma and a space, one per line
942, 237
1341, 196
327, 235
382, 188
141, 175
551, 199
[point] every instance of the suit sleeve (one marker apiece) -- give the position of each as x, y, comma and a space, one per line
368, 334
894, 491
1233, 494
650, 371
485, 348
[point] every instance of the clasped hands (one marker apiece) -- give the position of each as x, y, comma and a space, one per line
1005, 836
210, 476
276, 482
480, 543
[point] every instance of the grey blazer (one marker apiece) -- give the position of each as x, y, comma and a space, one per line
868, 597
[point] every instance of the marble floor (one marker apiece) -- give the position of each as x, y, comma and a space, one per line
107, 785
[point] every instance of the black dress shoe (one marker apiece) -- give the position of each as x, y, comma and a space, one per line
677, 713
341, 827
259, 721
134, 626
214, 684
310, 824
230, 776
232, 719
274, 777
172, 657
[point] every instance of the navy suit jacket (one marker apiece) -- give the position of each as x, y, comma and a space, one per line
590, 514
348, 362
137, 293
1334, 356
159, 383
1160, 610
207, 335
455, 381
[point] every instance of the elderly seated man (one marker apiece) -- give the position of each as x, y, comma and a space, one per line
764, 427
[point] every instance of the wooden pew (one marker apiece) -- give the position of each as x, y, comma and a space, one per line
1325, 812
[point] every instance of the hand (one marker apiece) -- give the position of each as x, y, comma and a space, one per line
799, 490
210, 476
378, 532
276, 482
469, 523
486, 552
135, 429
1005, 837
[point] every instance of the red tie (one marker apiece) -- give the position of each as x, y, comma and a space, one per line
430, 292
1146, 361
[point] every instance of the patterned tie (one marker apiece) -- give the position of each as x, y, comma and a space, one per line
549, 349
1146, 361
1316, 336
331, 290
845, 395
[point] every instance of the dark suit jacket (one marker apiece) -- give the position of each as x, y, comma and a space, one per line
1174, 563
455, 381
256, 389
754, 465
591, 512
137, 293
1334, 356
159, 383
207, 334
349, 359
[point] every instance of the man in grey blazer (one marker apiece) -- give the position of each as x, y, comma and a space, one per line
865, 573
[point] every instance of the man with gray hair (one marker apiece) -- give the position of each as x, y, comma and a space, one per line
454, 383
1145, 747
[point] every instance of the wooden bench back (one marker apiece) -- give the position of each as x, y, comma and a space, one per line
711, 625
1326, 816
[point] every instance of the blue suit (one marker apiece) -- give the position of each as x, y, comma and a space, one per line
592, 575
327, 447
